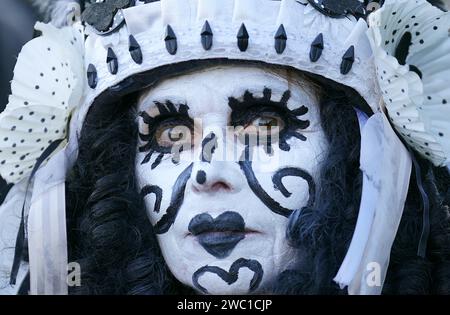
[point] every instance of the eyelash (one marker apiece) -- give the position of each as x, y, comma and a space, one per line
243, 110
170, 115
243, 114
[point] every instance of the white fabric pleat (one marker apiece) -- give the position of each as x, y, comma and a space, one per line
386, 166
47, 237
291, 16
217, 10
48, 243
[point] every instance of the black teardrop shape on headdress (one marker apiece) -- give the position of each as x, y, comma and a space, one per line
135, 50
242, 38
92, 76
171, 41
339, 8
316, 48
347, 60
111, 60
280, 40
207, 36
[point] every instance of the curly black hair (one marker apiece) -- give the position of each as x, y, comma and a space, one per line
111, 237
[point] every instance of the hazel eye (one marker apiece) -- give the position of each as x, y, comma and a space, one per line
268, 122
265, 124
168, 136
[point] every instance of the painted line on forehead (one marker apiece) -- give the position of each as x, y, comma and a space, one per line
157, 191
277, 180
177, 198
232, 275
209, 146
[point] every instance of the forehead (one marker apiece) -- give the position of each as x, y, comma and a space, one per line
219, 83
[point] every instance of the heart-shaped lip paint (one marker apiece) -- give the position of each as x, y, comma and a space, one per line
218, 236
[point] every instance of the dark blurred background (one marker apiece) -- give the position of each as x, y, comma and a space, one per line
16, 28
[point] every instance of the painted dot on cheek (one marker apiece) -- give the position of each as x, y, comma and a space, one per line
201, 177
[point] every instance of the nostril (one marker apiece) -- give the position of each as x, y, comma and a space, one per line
220, 186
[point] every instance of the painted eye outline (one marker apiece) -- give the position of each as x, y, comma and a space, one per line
170, 125
294, 125
260, 112
151, 141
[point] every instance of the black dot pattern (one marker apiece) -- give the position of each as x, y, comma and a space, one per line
406, 105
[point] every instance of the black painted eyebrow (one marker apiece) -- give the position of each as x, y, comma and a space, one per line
167, 107
248, 99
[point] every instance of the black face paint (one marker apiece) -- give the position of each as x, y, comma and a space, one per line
252, 181
157, 161
232, 275
157, 191
169, 115
201, 177
246, 166
297, 172
164, 224
218, 236
245, 111
209, 146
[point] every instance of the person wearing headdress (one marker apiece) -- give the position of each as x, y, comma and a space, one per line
229, 147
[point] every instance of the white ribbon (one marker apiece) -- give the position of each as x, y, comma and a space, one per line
386, 166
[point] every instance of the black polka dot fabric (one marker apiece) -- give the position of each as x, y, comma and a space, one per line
412, 56
39, 107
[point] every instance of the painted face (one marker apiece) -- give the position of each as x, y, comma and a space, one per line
225, 157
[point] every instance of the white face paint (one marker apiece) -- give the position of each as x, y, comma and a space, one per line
221, 223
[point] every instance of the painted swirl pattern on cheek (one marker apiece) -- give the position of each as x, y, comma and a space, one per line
157, 191
164, 224
232, 275
252, 181
297, 172
246, 166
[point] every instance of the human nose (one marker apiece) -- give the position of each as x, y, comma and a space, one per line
211, 173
